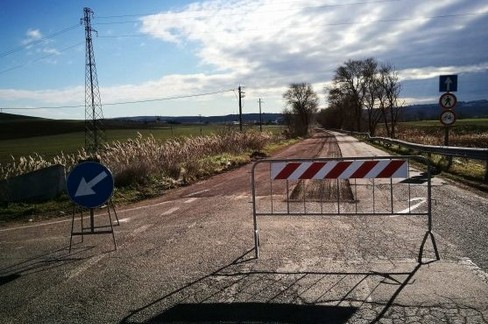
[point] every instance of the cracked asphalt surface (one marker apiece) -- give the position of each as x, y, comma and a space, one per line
188, 257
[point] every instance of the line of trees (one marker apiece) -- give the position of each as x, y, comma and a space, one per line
301, 105
363, 93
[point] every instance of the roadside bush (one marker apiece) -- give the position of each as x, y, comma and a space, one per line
177, 159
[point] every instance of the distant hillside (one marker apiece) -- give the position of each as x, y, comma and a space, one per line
471, 109
12, 117
17, 126
227, 119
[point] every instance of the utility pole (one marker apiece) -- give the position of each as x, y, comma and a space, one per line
241, 95
260, 116
94, 135
200, 124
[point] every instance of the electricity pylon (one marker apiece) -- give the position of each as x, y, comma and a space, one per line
94, 134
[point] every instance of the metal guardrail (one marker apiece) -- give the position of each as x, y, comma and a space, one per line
464, 152
480, 154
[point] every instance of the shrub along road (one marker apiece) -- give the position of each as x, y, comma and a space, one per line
187, 256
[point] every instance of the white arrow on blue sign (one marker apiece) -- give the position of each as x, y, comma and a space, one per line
448, 83
90, 184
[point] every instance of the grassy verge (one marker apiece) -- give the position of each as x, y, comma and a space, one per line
464, 133
152, 186
468, 172
48, 146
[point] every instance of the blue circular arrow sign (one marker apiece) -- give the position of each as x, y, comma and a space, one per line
90, 184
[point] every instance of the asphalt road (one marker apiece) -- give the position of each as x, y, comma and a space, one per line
459, 213
188, 257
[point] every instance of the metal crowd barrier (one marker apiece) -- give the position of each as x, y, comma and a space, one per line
358, 186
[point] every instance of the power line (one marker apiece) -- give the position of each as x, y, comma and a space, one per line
407, 19
122, 103
36, 42
41, 58
40, 40
170, 98
44, 107
447, 16
199, 14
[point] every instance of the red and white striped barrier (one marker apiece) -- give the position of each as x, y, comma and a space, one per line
339, 169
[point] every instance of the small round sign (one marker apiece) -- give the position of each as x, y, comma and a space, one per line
90, 184
448, 117
448, 101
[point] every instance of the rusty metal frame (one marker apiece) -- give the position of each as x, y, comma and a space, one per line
92, 229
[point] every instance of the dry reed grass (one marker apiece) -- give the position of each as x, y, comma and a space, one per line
137, 160
429, 137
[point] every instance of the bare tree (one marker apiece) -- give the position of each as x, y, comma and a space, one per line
301, 105
338, 114
390, 89
349, 80
366, 90
371, 89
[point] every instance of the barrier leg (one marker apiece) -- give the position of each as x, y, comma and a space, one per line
111, 205
256, 243
72, 229
434, 245
111, 226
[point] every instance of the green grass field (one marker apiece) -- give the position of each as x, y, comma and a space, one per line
461, 125
52, 145
24, 136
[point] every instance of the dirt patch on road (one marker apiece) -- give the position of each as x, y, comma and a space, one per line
328, 189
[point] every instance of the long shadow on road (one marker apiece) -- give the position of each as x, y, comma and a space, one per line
234, 294
35, 264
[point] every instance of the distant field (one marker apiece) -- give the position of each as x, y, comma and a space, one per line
464, 125
23, 137
464, 133
15, 127
52, 145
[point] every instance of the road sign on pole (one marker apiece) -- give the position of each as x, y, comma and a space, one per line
90, 184
448, 117
448, 83
448, 101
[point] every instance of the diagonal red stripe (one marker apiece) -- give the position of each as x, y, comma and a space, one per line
287, 170
312, 170
337, 170
390, 169
363, 170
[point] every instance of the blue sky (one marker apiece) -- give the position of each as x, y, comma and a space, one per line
150, 50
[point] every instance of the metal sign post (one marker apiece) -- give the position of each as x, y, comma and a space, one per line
90, 185
447, 102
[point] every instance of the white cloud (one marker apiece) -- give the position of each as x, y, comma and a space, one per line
268, 44
434, 71
51, 51
270, 36
32, 35
72, 95
36, 41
